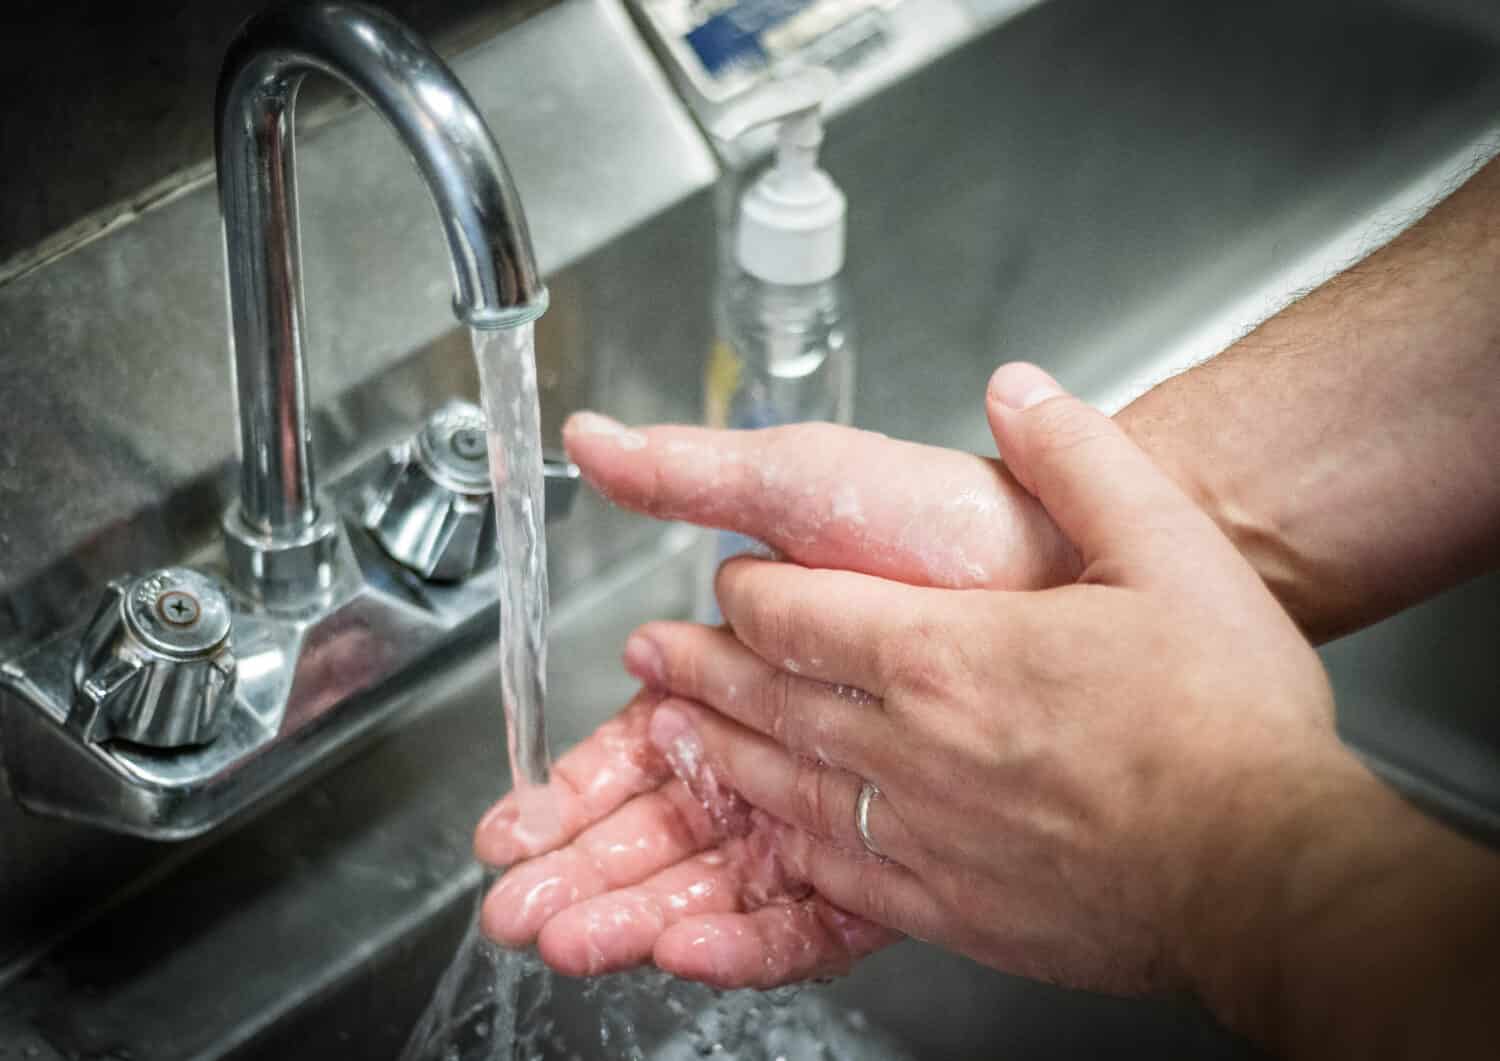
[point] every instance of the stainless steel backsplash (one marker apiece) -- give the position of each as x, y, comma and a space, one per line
117, 435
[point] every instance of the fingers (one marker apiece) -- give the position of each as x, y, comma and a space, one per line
615, 763
828, 625
798, 791
882, 892
834, 723
652, 831
1128, 520
782, 944
829, 496
615, 929
618, 929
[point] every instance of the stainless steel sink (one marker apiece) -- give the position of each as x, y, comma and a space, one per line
1118, 192
1110, 189
319, 930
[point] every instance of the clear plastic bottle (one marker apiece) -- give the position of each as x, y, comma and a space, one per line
786, 355
785, 352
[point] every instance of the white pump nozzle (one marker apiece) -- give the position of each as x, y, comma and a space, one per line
782, 96
791, 222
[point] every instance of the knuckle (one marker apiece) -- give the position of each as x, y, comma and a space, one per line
776, 704
660, 498
810, 794
769, 625
919, 656
679, 663
1061, 426
878, 903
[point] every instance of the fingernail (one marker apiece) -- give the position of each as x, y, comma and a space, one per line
644, 660
1020, 385
859, 935
672, 735
592, 423
668, 727
501, 814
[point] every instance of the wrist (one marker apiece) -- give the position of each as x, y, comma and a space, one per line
1345, 922
1262, 820
1234, 495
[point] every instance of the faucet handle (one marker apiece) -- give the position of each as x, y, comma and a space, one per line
156, 666
433, 510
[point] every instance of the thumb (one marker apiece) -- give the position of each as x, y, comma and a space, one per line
1124, 515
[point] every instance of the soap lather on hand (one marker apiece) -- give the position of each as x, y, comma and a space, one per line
648, 838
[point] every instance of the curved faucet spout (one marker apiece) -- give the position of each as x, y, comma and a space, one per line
277, 533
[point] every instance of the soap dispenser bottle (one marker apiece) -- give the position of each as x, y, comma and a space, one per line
785, 347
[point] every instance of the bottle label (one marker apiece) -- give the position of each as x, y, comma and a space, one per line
733, 35
725, 47
720, 382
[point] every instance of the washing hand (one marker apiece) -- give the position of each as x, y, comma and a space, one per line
657, 854
1129, 782
631, 851
835, 497
1089, 784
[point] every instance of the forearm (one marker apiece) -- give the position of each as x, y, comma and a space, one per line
1350, 446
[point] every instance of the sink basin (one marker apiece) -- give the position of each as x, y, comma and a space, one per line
1110, 190
341, 908
1119, 191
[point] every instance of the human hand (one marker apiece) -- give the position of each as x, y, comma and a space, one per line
629, 864
835, 497
633, 847
1078, 784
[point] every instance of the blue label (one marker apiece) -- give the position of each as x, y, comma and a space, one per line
733, 35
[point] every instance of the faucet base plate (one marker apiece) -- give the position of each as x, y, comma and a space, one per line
313, 678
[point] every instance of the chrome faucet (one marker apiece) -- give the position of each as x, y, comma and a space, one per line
183, 701
280, 535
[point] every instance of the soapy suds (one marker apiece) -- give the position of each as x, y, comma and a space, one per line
945, 562
846, 505
980, 502
588, 423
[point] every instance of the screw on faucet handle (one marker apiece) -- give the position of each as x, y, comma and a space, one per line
156, 666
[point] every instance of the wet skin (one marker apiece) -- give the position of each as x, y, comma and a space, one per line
629, 860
